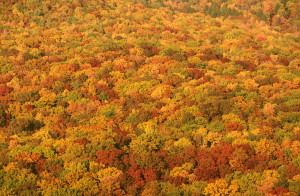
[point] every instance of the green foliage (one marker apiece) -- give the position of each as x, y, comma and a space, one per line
214, 10
74, 96
23, 125
27, 96
174, 52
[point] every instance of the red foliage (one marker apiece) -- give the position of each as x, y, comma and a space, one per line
246, 65
172, 30
101, 87
150, 50
29, 107
67, 86
248, 149
173, 162
109, 157
190, 154
279, 191
112, 94
95, 62
208, 57
283, 61
292, 171
85, 42
264, 58
155, 113
261, 39
4, 90
224, 60
48, 82
178, 180
121, 137
222, 155
53, 59
195, 73
206, 173
155, 50
234, 126
32, 161
256, 112
225, 149
82, 141
184, 37
191, 52
163, 70
37, 46
137, 174
279, 156
149, 175
74, 67
5, 78
206, 166
202, 81
39, 165
70, 124
55, 169
60, 127
259, 163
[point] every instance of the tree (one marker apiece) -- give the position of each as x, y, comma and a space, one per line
4, 116
220, 187
206, 166
239, 158
266, 146
144, 146
269, 109
110, 181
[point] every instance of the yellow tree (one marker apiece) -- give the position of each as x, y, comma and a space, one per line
266, 146
220, 188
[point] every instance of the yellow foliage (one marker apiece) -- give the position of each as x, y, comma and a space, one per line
49, 120
117, 77
286, 143
266, 146
179, 171
109, 174
271, 173
250, 85
2, 138
239, 137
231, 118
160, 91
213, 137
220, 188
95, 167
49, 184
295, 147
47, 98
15, 109
183, 143
14, 83
201, 131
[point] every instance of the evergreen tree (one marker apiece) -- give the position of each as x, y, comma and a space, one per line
225, 11
214, 10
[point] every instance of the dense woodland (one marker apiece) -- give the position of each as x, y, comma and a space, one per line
150, 97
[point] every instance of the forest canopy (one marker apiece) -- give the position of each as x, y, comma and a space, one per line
149, 97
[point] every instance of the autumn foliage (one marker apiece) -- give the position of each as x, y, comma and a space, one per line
149, 97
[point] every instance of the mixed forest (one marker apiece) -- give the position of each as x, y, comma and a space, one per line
150, 97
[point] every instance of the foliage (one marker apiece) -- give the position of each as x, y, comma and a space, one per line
149, 97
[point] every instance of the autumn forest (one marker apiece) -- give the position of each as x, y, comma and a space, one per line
150, 97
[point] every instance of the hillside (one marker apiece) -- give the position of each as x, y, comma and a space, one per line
150, 97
